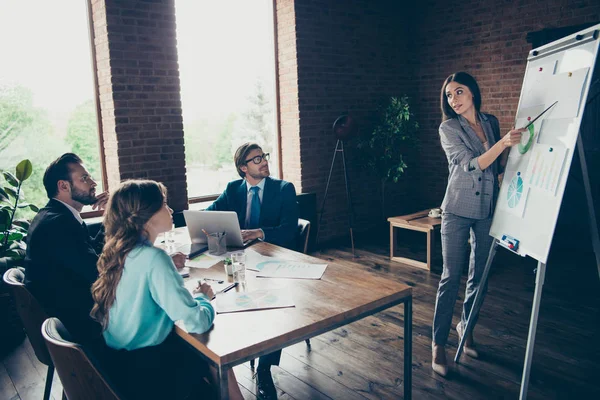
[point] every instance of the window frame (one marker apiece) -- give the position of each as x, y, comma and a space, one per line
92, 37
277, 110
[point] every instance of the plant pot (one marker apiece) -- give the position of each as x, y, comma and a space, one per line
11, 333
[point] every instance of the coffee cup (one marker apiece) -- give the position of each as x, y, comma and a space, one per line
435, 213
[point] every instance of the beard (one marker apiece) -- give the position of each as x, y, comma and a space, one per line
80, 196
260, 174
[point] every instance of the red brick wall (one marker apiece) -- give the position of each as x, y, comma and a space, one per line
350, 56
488, 40
140, 101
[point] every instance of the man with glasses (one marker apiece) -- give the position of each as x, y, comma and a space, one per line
267, 210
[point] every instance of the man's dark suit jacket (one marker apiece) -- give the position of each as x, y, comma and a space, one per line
60, 268
278, 210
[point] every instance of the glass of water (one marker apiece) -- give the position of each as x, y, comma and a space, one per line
239, 267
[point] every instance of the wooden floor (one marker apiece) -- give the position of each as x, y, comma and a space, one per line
364, 359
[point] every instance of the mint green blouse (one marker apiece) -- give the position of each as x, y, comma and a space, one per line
150, 297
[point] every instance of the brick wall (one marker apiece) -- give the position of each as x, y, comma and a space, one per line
139, 88
350, 56
488, 40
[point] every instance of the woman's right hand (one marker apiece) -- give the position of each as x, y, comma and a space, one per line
512, 138
205, 289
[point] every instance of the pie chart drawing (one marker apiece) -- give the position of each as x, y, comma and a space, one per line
515, 191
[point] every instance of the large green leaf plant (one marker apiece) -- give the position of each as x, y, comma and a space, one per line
393, 137
14, 231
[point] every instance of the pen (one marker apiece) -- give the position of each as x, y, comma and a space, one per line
213, 280
229, 288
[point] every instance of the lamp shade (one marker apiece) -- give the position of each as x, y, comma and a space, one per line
344, 127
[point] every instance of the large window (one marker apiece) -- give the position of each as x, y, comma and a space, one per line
227, 70
47, 96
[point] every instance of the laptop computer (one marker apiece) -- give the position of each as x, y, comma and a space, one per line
214, 221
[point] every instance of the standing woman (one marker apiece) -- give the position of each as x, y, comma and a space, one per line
471, 141
138, 296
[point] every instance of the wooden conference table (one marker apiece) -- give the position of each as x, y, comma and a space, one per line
343, 295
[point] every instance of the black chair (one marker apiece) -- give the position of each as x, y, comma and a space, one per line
80, 374
32, 315
303, 235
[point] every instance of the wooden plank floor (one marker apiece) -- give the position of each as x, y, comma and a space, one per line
363, 360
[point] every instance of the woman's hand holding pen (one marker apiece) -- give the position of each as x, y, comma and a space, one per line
512, 138
205, 289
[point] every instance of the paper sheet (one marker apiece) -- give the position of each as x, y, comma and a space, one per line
256, 300
545, 167
290, 269
513, 193
567, 88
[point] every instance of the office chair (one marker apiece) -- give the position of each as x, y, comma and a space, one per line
32, 315
80, 374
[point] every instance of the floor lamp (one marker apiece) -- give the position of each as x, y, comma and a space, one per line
343, 129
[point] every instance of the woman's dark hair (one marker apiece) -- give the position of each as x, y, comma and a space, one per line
464, 79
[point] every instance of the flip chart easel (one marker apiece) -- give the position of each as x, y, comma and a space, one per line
535, 178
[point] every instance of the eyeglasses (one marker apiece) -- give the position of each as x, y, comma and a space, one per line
258, 159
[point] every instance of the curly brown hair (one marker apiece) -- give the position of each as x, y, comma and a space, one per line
130, 207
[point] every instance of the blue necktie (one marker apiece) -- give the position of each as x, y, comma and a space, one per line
254, 209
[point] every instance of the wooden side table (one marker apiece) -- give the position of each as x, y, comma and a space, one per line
416, 222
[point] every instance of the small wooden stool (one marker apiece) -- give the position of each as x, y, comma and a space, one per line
416, 222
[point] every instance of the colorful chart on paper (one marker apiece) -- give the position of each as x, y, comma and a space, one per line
255, 300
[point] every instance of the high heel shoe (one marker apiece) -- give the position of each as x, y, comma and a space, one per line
469, 347
438, 359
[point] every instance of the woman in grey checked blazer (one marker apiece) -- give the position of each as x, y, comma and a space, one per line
472, 143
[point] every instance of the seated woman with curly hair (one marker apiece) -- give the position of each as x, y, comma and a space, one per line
139, 295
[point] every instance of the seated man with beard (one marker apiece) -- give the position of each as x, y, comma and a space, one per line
61, 257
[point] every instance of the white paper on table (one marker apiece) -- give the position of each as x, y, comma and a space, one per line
204, 260
253, 259
290, 269
255, 300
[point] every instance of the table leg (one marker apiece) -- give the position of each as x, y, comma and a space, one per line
429, 248
408, 348
392, 241
222, 373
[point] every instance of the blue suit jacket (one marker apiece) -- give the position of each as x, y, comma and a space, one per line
278, 210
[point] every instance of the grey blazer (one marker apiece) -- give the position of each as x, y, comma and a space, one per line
471, 192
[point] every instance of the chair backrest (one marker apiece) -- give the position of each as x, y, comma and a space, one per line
31, 313
81, 376
302, 237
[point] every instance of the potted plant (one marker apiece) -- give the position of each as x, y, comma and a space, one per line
12, 248
393, 136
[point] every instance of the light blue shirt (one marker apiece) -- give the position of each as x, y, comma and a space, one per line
150, 297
